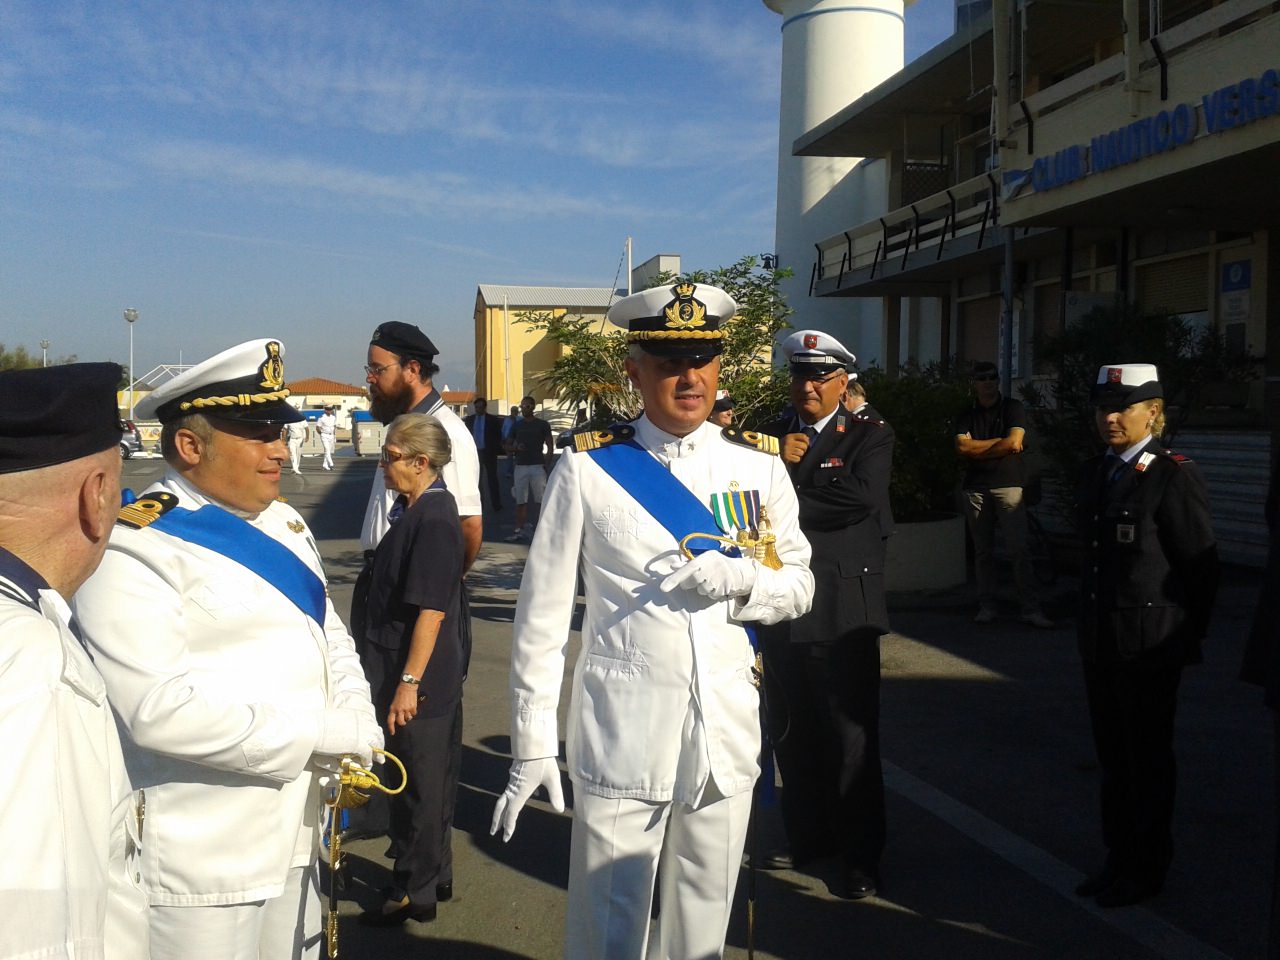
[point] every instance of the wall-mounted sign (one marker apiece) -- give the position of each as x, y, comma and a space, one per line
1233, 300
1235, 105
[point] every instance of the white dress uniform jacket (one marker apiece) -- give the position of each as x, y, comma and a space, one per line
63, 815
220, 681
461, 475
662, 696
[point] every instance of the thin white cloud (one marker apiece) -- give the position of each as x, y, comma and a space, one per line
341, 68
418, 193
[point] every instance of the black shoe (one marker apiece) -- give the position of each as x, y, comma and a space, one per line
361, 833
1096, 884
444, 892
1126, 891
381, 917
858, 884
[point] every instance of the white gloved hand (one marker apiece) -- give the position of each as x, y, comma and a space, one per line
343, 730
714, 574
526, 777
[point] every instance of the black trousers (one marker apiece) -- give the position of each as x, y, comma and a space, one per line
422, 815
824, 720
1132, 710
489, 463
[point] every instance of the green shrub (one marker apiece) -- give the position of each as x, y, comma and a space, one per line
921, 404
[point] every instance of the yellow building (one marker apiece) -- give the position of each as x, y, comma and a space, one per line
1050, 157
510, 356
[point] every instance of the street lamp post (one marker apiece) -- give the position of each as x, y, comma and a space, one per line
130, 317
44, 353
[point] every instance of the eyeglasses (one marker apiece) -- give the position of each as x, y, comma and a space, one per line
985, 377
377, 369
391, 456
817, 379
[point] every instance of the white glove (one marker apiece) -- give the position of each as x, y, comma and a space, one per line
526, 777
344, 730
714, 574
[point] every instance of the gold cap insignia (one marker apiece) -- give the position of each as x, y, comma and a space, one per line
684, 312
272, 369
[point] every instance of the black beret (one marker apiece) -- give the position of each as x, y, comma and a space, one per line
52, 415
403, 339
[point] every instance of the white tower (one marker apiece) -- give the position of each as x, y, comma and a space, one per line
832, 53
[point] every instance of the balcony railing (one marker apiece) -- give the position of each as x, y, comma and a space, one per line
968, 209
1225, 17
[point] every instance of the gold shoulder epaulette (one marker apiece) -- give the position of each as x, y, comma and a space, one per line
763, 442
590, 439
144, 511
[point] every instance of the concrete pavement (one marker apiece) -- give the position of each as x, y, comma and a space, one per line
991, 793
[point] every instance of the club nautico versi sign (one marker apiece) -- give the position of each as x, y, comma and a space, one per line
1228, 108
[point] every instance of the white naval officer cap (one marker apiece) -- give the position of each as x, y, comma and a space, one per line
815, 352
1120, 384
244, 382
684, 319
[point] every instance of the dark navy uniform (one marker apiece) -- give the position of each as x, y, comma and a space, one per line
1148, 585
822, 671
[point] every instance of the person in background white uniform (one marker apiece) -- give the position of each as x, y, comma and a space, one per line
296, 436
68, 891
663, 730
228, 668
327, 428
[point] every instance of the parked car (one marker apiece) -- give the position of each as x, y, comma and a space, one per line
130, 440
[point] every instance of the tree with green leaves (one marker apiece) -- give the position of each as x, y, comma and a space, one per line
20, 358
591, 369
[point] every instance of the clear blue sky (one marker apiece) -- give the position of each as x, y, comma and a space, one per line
306, 170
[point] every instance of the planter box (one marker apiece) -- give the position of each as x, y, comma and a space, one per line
926, 555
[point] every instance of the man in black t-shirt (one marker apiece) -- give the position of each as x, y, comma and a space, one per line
529, 437
989, 438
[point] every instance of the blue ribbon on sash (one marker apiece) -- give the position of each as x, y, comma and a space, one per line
222, 532
666, 499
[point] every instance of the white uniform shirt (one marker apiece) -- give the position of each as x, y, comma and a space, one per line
662, 698
64, 813
220, 681
296, 432
326, 424
461, 475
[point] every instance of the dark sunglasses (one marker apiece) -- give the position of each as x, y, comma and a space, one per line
985, 377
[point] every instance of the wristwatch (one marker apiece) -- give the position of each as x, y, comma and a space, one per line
408, 678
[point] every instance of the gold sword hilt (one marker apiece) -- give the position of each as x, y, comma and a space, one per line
352, 778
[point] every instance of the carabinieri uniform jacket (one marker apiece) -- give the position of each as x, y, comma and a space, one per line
1150, 571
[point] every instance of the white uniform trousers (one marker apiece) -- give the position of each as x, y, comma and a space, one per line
327, 441
614, 857
287, 927
295, 455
